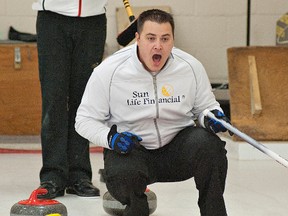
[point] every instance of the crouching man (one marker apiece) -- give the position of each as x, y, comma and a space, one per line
141, 105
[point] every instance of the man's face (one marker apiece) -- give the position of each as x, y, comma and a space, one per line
155, 43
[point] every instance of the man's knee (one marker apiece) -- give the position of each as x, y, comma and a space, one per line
211, 149
212, 142
121, 185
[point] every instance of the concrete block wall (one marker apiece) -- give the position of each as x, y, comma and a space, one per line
16, 13
204, 28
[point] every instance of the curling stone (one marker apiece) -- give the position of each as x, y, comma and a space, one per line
38, 207
115, 208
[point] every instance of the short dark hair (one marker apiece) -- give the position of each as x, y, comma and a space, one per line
155, 15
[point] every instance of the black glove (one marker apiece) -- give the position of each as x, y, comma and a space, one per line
215, 126
123, 142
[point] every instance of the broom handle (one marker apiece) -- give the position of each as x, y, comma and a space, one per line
248, 139
129, 10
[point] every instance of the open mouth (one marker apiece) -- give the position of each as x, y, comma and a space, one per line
156, 57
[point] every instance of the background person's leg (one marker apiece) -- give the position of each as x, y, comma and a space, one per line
54, 68
88, 35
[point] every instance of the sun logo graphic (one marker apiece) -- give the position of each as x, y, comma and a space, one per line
167, 90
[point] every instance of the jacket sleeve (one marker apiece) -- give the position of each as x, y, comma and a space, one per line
94, 111
205, 98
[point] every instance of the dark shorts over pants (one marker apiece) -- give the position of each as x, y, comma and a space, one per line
194, 152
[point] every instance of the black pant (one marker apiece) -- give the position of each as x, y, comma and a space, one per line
68, 50
194, 152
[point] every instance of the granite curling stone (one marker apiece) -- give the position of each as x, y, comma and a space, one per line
115, 208
38, 207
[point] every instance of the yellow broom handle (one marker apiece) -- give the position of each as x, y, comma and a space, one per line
128, 10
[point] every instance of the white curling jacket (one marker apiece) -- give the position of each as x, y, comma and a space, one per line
80, 8
121, 91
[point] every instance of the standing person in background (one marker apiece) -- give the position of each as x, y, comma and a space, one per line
71, 36
141, 105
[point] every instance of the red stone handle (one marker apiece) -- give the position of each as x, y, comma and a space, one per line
33, 199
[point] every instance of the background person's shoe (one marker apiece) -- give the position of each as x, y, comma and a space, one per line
83, 188
53, 190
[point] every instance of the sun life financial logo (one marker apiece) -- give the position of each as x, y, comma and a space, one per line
167, 90
168, 93
144, 98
